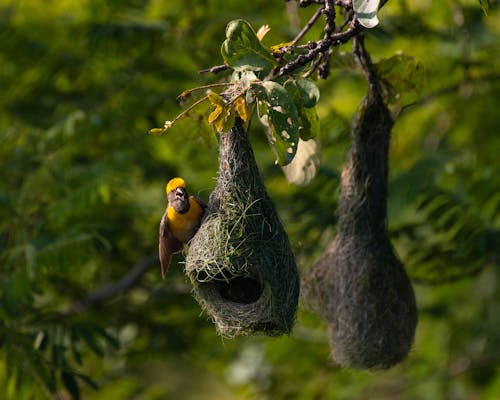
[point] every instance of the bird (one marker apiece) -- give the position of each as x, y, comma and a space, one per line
179, 223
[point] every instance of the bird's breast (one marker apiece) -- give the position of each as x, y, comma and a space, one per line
183, 225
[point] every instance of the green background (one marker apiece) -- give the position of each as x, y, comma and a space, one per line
82, 194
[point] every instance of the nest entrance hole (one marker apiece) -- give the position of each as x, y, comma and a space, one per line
236, 289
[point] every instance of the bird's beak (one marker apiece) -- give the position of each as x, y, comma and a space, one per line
179, 193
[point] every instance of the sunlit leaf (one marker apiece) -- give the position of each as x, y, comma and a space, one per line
241, 107
242, 49
263, 31
216, 99
221, 118
225, 122
277, 48
366, 12
156, 131
215, 114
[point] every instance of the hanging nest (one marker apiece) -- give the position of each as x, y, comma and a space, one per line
240, 262
360, 286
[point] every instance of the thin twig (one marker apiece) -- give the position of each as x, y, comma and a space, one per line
215, 69
307, 26
188, 92
329, 12
366, 65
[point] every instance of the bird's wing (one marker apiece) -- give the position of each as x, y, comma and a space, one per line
203, 205
167, 246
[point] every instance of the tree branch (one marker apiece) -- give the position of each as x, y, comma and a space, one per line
365, 61
321, 46
110, 290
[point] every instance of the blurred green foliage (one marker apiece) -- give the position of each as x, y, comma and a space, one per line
82, 192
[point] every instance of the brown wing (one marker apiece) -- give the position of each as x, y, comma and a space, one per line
167, 246
200, 202
203, 205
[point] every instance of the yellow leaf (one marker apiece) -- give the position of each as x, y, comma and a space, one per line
263, 30
241, 108
156, 131
225, 123
215, 99
277, 48
215, 114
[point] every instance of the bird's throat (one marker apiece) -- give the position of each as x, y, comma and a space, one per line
180, 206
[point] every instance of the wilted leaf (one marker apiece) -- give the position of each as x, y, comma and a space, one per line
304, 166
242, 49
366, 12
241, 107
216, 99
279, 112
263, 31
221, 118
156, 131
215, 114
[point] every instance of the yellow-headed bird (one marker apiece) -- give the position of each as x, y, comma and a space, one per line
180, 221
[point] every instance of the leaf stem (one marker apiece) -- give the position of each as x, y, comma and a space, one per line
186, 93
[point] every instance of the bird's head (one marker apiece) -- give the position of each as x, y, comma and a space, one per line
177, 195
175, 183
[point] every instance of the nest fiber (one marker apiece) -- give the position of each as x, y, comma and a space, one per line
240, 262
359, 285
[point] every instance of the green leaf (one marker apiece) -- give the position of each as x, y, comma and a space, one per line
87, 380
366, 12
108, 338
302, 91
70, 384
404, 76
242, 49
485, 5
343, 59
308, 123
305, 94
88, 336
278, 111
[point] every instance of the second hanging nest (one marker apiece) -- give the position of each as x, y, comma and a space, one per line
240, 261
360, 286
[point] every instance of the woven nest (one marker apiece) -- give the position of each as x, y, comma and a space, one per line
240, 262
359, 285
